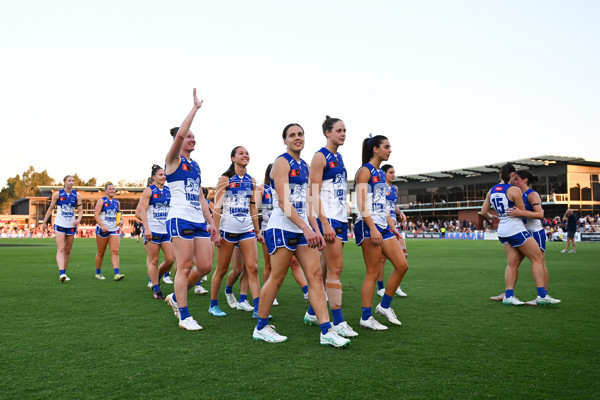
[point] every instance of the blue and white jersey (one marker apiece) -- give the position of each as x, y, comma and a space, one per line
334, 186
108, 214
507, 226
267, 205
298, 185
236, 205
531, 224
65, 208
184, 184
376, 202
158, 208
391, 196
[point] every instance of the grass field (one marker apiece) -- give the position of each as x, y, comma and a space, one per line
89, 339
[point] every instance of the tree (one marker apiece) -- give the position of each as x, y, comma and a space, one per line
81, 182
18, 187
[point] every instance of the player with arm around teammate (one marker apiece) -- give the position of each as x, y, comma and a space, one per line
533, 214
288, 233
515, 239
66, 201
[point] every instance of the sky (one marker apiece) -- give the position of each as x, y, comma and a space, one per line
93, 88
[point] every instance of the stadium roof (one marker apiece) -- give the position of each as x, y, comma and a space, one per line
489, 168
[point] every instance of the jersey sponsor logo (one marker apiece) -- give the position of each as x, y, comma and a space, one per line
186, 167
267, 195
62, 198
376, 179
295, 172
234, 185
156, 195
498, 189
106, 204
333, 164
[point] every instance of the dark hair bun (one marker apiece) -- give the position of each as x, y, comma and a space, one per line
174, 131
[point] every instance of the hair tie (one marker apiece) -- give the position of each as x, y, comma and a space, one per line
370, 136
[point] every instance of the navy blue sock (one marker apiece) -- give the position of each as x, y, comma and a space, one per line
509, 293
228, 289
366, 313
214, 303
325, 327
379, 285
155, 288
337, 316
62, 272
255, 303
183, 313
174, 298
310, 310
199, 283
243, 298
262, 322
386, 302
305, 289
165, 275
116, 271
98, 271
541, 292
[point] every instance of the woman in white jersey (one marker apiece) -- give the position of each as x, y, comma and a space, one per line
153, 211
533, 215
288, 233
107, 215
265, 195
515, 239
373, 229
329, 179
391, 197
236, 218
65, 223
187, 219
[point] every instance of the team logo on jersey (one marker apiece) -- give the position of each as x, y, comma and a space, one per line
333, 164
62, 198
106, 204
156, 195
294, 172
186, 167
340, 188
192, 191
267, 196
238, 206
376, 179
234, 185
298, 198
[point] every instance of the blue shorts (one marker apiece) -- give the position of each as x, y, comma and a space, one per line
275, 238
340, 228
362, 232
158, 238
540, 238
66, 231
178, 227
516, 240
107, 234
237, 237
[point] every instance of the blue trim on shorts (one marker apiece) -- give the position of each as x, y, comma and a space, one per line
66, 231
107, 234
516, 240
540, 238
362, 232
341, 228
182, 228
237, 237
276, 238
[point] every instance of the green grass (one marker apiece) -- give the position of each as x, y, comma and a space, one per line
111, 340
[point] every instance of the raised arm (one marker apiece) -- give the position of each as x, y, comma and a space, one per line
172, 160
